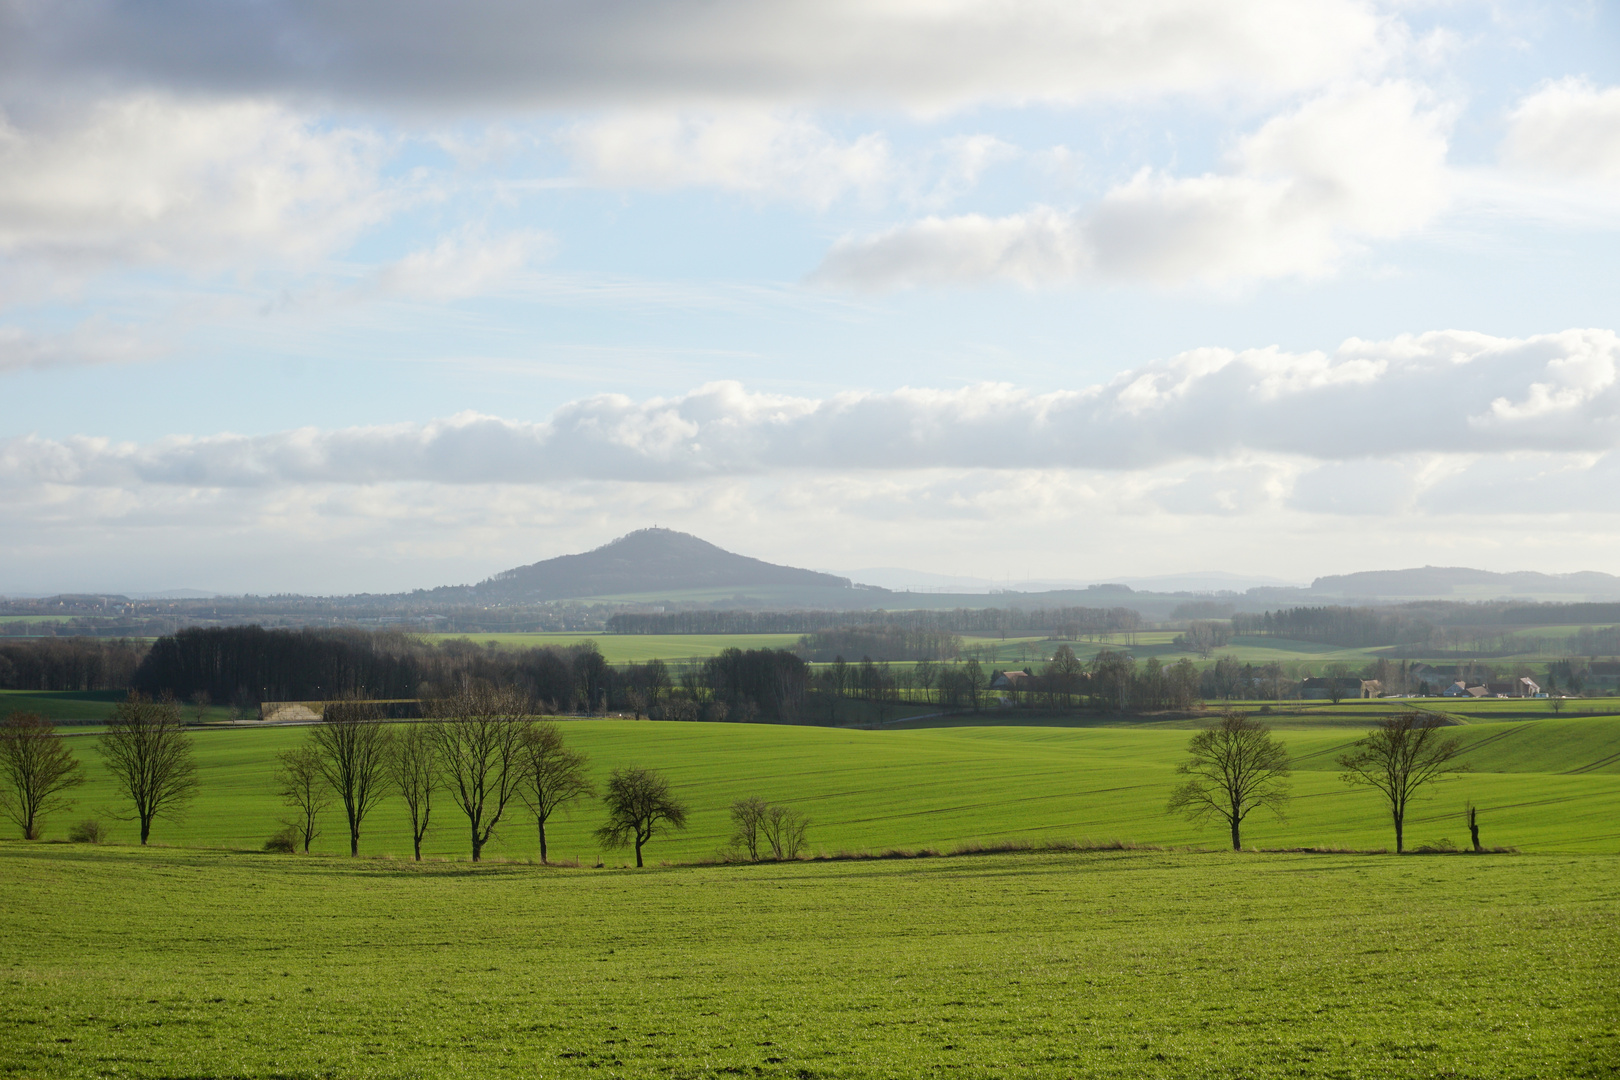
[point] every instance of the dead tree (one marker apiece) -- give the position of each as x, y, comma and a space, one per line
1405, 753
746, 817
1472, 814
416, 770
783, 828
148, 752
1235, 767
36, 771
303, 788
553, 775
355, 749
480, 734
640, 805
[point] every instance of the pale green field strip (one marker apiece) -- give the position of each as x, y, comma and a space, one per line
1551, 785
637, 648
168, 963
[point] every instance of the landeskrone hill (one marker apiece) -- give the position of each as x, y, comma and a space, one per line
648, 560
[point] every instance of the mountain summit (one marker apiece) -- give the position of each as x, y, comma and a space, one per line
645, 561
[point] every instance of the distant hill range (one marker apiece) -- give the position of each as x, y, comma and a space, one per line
643, 562
1462, 583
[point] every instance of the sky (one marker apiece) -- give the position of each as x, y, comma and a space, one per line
303, 297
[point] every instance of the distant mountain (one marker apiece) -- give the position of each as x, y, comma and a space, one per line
1461, 582
646, 561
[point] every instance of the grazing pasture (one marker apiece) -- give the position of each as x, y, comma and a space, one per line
1547, 785
185, 963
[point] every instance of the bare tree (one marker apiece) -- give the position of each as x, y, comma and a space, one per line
36, 771
783, 828
199, 704
746, 817
1471, 815
640, 805
925, 673
302, 786
147, 750
1234, 768
481, 735
354, 748
553, 775
416, 773
1405, 752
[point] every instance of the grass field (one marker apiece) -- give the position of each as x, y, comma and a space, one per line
638, 648
1550, 785
169, 963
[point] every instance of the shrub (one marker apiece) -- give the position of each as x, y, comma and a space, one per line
284, 840
88, 831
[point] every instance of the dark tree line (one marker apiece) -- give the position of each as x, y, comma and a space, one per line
1353, 627
880, 643
77, 663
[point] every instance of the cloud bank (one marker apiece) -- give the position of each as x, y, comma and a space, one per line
1439, 393
586, 53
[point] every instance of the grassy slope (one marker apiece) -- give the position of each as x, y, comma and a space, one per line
1551, 785
1120, 964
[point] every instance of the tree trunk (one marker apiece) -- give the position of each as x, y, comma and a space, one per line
1398, 844
478, 846
418, 844
1237, 845
638, 852
354, 840
146, 828
542, 823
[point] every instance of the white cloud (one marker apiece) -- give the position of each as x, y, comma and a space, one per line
460, 265
94, 342
1444, 392
153, 179
751, 151
1567, 130
553, 53
1303, 190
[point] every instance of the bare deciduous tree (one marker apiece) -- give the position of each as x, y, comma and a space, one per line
1405, 753
746, 816
355, 748
783, 828
1234, 768
36, 771
302, 786
553, 775
416, 769
640, 805
147, 750
481, 734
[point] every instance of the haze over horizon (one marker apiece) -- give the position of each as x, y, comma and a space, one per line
373, 298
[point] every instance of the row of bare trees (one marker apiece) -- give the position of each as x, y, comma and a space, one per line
1237, 766
145, 747
483, 752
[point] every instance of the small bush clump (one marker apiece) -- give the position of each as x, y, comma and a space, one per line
88, 831
284, 840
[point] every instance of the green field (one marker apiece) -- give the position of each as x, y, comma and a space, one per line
638, 648
1549, 785
178, 963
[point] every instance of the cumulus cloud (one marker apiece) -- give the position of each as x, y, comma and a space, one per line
156, 179
1569, 129
1448, 392
594, 52
1304, 189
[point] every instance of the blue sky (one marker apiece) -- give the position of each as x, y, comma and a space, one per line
330, 300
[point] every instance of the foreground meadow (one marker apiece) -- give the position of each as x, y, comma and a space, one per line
187, 963
1549, 785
